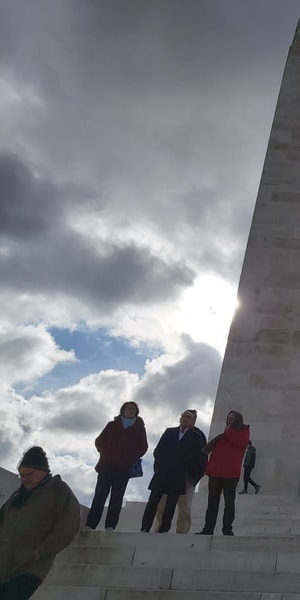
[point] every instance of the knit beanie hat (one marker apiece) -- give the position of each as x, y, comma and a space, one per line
35, 458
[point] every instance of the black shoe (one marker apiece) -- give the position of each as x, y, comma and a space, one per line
228, 532
204, 532
145, 530
257, 489
244, 492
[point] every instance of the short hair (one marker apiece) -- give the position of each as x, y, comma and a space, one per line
126, 404
193, 411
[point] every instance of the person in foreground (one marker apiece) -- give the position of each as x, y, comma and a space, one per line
194, 473
223, 469
177, 459
40, 519
121, 443
249, 464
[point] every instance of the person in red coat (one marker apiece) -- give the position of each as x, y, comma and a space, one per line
223, 469
120, 444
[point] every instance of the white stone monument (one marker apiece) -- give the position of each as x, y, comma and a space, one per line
260, 375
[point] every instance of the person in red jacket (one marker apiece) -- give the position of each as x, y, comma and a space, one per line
223, 469
120, 444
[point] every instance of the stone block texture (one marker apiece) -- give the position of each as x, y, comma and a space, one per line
260, 375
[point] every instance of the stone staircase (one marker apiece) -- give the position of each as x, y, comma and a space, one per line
261, 562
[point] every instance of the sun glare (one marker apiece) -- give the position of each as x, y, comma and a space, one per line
206, 311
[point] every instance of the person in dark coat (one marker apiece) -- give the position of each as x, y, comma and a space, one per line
249, 464
38, 520
184, 501
120, 444
177, 457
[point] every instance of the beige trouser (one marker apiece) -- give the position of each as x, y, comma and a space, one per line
184, 508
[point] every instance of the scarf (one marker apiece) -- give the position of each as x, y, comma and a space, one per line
21, 496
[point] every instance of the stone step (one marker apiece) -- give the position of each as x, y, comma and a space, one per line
97, 593
284, 503
183, 543
180, 579
110, 576
192, 595
255, 514
264, 564
146, 557
247, 526
234, 560
135, 566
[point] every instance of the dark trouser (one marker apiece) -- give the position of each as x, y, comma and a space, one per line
20, 587
247, 478
216, 486
113, 480
151, 508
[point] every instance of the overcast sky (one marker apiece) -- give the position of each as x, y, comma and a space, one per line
132, 140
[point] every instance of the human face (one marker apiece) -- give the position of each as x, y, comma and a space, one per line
186, 420
31, 477
231, 419
130, 411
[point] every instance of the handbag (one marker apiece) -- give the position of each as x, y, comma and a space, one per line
135, 470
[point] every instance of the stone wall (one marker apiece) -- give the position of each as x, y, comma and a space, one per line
260, 376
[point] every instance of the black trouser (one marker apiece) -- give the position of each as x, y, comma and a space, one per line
216, 486
247, 478
20, 587
151, 508
113, 480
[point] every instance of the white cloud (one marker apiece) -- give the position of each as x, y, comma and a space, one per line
27, 353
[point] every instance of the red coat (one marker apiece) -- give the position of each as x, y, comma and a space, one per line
227, 455
120, 447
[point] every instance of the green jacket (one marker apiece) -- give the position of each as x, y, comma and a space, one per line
33, 533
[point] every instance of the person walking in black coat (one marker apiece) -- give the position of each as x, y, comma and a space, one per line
177, 456
249, 464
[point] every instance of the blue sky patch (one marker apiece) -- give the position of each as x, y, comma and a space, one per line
95, 351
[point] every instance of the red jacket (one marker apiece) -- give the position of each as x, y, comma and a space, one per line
120, 447
227, 455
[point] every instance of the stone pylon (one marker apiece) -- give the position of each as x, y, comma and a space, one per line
260, 375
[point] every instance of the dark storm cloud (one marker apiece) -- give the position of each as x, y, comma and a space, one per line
144, 98
45, 255
109, 72
28, 206
78, 420
189, 382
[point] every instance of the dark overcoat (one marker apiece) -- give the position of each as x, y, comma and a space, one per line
176, 460
32, 533
120, 447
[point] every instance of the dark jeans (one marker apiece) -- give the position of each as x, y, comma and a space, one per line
20, 587
151, 508
247, 478
113, 480
216, 486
